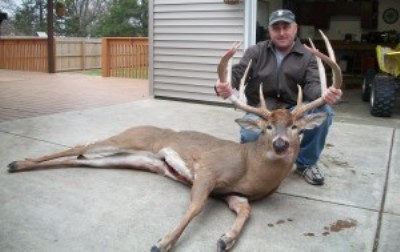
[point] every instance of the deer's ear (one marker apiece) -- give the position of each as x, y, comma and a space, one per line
250, 124
311, 121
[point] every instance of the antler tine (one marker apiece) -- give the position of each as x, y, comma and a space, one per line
296, 110
240, 104
331, 53
321, 69
328, 45
242, 96
263, 104
261, 111
336, 72
224, 67
235, 46
336, 76
299, 95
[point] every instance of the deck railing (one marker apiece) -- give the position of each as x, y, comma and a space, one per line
125, 57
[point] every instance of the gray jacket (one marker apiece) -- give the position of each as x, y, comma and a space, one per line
299, 66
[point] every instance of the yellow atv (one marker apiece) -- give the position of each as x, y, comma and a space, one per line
380, 88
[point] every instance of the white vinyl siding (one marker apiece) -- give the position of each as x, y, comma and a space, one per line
187, 39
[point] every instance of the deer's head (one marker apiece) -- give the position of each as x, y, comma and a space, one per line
281, 129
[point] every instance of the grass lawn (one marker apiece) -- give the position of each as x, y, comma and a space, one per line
140, 72
91, 72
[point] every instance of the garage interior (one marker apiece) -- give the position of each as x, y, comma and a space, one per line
355, 28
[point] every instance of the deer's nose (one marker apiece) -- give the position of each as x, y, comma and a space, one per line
280, 145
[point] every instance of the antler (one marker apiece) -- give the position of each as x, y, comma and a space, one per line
225, 64
224, 70
337, 78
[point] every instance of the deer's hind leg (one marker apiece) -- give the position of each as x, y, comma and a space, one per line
166, 162
140, 160
102, 146
106, 145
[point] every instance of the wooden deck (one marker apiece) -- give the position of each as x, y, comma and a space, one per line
29, 94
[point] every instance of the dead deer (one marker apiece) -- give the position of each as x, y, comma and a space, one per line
236, 173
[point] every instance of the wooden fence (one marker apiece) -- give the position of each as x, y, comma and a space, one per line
125, 57
30, 54
74, 54
26, 54
118, 57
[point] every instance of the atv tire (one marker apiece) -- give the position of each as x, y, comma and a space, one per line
383, 95
366, 85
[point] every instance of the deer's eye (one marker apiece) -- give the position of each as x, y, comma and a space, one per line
269, 127
294, 127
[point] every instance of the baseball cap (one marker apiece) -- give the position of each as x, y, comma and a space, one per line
282, 15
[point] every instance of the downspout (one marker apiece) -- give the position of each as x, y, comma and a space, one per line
250, 22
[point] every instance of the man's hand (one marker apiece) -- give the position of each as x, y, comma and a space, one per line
223, 89
332, 95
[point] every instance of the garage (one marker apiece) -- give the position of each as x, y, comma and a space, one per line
188, 38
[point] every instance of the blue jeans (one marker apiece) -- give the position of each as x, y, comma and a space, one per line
313, 141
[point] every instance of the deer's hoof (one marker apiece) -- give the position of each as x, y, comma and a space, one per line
224, 243
13, 167
18, 166
155, 249
221, 245
162, 246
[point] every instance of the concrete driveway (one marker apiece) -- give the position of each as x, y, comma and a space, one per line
82, 209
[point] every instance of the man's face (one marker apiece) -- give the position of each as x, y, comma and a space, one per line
283, 34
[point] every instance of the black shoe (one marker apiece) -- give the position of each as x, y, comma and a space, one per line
312, 174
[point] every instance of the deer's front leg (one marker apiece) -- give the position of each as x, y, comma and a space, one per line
241, 207
202, 186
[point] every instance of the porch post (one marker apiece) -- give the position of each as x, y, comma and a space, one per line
50, 37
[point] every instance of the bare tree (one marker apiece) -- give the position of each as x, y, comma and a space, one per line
81, 16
